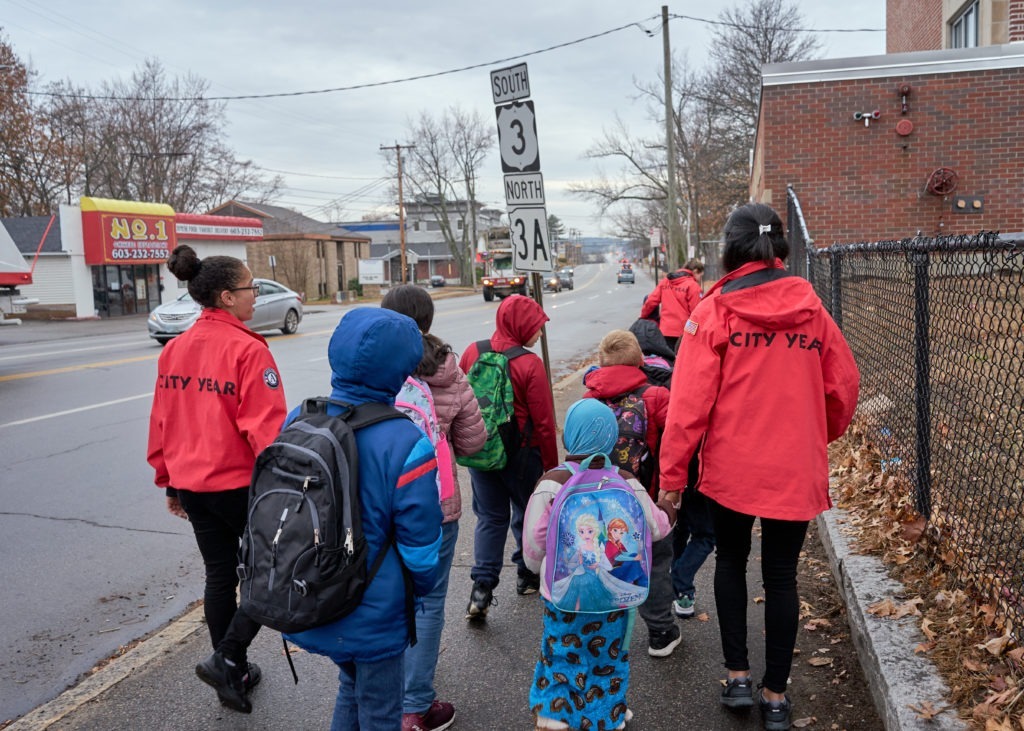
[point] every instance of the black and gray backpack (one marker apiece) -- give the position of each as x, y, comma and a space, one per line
303, 559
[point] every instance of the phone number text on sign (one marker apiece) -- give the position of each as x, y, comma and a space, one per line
133, 253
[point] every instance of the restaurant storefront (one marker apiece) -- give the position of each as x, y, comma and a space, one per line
125, 242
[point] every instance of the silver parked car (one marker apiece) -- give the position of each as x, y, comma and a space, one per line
277, 308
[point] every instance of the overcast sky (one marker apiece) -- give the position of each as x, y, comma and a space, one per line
261, 47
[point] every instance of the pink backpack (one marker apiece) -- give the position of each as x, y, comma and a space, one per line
416, 400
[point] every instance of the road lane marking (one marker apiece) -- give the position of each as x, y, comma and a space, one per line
148, 394
107, 346
82, 367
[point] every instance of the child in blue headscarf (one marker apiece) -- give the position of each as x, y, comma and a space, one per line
582, 676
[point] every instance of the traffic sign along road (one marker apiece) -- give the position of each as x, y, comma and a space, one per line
517, 138
524, 189
510, 84
528, 229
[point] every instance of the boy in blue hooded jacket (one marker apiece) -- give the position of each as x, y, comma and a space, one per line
371, 354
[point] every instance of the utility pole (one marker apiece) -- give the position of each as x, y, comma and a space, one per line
670, 140
401, 207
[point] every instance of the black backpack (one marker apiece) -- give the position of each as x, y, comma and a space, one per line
303, 558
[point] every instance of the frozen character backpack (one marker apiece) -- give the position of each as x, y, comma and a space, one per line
598, 542
416, 400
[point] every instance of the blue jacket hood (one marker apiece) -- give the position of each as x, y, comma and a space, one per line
372, 352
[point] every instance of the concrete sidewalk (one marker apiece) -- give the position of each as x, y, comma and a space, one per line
486, 671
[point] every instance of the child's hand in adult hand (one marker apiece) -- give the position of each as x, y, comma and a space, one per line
174, 508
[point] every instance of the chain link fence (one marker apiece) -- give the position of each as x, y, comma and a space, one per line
936, 327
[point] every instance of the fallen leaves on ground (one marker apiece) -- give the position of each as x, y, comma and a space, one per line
963, 617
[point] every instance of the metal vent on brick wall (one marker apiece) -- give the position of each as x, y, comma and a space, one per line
942, 181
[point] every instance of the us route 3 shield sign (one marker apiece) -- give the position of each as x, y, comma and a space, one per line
528, 229
517, 137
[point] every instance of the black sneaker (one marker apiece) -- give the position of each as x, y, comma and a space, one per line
777, 715
480, 600
252, 677
527, 584
226, 680
738, 693
661, 644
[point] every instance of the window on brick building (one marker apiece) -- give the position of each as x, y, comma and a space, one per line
963, 29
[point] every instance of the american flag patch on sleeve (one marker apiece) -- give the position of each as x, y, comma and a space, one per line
690, 327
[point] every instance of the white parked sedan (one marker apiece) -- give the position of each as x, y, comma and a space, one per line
277, 308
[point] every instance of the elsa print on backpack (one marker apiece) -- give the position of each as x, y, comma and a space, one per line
581, 575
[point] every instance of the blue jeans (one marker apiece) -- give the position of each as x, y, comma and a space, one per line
369, 696
693, 540
499, 499
421, 658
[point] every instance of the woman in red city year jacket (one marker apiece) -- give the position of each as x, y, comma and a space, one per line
218, 403
678, 293
769, 382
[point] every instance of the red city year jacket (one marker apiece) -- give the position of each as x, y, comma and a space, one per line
518, 319
218, 402
767, 376
678, 294
610, 382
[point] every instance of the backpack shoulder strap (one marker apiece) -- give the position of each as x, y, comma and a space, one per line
483, 346
515, 351
372, 413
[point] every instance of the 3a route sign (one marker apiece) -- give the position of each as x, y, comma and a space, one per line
517, 138
528, 229
510, 84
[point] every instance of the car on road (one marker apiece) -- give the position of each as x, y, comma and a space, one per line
626, 275
565, 277
277, 308
437, 281
552, 283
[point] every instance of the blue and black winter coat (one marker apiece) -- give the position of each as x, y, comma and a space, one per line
371, 353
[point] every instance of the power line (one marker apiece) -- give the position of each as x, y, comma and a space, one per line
420, 77
775, 27
367, 85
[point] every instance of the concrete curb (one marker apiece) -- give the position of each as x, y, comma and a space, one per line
112, 673
897, 677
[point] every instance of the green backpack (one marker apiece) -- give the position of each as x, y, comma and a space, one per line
491, 381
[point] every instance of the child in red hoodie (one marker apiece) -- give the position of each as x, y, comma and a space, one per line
500, 496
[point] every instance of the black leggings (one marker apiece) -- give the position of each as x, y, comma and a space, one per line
781, 541
218, 520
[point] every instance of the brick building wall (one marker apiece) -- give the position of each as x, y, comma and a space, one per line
862, 183
1016, 21
913, 25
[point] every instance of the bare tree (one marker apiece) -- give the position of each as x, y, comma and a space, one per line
755, 33
158, 139
295, 264
714, 121
30, 151
151, 138
441, 171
